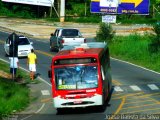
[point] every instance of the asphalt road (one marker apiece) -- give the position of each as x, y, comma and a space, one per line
135, 90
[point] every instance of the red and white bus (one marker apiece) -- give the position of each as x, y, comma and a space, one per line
80, 75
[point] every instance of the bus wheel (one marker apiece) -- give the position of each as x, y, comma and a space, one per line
60, 111
109, 93
101, 108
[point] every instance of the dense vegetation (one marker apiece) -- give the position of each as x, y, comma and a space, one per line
134, 48
76, 11
139, 49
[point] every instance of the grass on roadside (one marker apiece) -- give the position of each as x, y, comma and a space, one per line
13, 97
134, 48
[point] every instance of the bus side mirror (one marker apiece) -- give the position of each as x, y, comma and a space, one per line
49, 73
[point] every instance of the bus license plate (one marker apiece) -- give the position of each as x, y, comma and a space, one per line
77, 102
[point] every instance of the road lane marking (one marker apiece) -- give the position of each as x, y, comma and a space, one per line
148, 95
139, 101
119, 94
46, 100
116, 82
135, 88
119, 108
45, 92
139, 106
44, 53
136, 66
118, 89
40, 108
153, 87
128, 95
143, 97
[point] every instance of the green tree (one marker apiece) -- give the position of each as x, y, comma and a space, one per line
157, 1
105, 33
154, 46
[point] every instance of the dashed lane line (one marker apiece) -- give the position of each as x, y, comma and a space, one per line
135, 88
44, 53
153, 87
118, 89
45, 92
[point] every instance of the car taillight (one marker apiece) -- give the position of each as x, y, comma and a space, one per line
62, 41
85, 40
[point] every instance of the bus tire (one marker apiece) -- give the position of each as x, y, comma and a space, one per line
101, 108
109, 94
60, 111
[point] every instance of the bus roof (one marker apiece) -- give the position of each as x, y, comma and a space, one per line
85, 45
84, 49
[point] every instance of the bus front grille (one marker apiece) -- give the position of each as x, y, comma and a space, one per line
81, 103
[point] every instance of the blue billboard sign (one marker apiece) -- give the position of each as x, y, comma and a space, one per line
120, 6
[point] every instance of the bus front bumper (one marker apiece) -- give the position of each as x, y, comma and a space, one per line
83, 102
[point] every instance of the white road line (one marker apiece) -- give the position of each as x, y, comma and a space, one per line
153, 87
136, 65
45, 92
118, 89
40, 108
26, 117
135, 88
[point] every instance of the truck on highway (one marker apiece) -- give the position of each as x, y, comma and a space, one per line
65, 36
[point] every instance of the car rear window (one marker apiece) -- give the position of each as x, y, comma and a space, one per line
70, 32
23, 41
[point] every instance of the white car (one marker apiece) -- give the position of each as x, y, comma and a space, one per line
24, 46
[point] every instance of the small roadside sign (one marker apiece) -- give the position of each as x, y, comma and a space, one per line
109, 18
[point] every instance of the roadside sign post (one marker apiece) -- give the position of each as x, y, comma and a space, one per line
109, 19
13, 50
13, 57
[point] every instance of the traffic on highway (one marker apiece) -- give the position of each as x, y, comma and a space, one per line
135, 90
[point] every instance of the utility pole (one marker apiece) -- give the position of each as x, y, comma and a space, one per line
51, 10
85, 8
62, 10
153, 11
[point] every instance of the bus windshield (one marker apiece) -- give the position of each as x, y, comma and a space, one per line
76, 77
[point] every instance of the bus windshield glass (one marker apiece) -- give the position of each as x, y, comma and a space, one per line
76, 77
